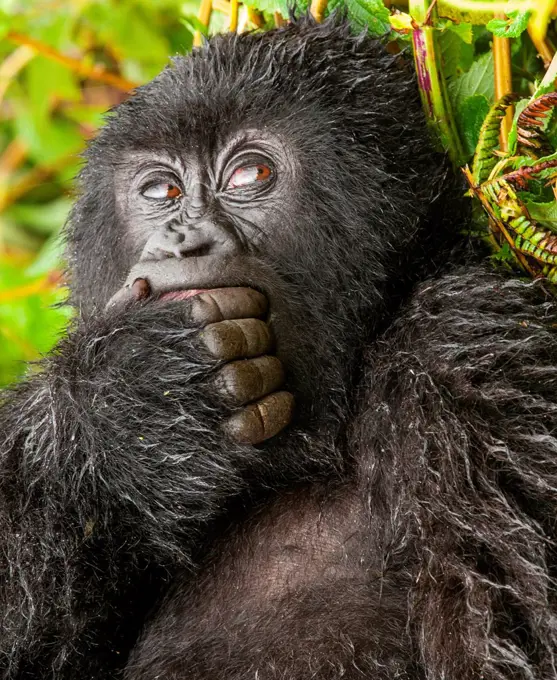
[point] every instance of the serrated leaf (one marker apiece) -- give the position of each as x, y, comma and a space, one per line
512, 27
478, 80
370, 14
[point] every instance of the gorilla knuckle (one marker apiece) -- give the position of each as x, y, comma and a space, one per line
223, 304
237, 338
249, 379
262, 420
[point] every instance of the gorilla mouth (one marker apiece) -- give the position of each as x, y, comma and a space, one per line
183, 294
173, 279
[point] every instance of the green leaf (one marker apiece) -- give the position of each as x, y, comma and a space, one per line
512, 138
42, 218
528, 162
544, 213
463, 30
41, 74
401, 21
469, 117
48, 140
456, 56
478, 80
512, 27
192, 23
370, 13
5, 21
49, 257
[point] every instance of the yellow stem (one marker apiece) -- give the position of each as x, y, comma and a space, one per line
234, 10
543, 47
33, 178
503, 83
318, 8
204, 16
12, 65
91, 72
12, 158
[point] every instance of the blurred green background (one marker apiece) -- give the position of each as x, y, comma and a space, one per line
62, 64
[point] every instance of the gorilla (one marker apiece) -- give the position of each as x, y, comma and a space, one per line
300, 427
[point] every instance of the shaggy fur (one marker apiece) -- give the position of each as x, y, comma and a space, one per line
403, 527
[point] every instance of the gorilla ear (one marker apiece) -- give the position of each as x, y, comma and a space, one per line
96, 243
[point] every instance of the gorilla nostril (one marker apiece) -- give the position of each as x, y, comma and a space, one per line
195, 252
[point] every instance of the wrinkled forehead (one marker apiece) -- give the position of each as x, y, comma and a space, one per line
197, 154
207, 123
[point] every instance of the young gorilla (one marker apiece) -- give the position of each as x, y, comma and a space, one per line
404, 524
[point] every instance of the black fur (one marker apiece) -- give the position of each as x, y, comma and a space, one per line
404, 527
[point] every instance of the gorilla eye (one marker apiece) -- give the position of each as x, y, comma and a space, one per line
162, 192
249, 174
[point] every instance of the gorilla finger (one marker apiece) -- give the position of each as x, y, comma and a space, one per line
236, 339
250, 379
220, 304
139, 290
262, 420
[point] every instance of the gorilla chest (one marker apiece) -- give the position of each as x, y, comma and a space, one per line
292, 593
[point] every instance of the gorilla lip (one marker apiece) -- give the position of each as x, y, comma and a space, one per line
182, 294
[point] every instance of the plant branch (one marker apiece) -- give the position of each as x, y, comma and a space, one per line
12, 65
33, 178
318, 8
204, 16
543, 47
503, 83
234, 10
550, 75
432, 84
91, 72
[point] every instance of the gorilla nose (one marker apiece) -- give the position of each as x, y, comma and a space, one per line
186, 240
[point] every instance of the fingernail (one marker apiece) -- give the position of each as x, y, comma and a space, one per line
141, 289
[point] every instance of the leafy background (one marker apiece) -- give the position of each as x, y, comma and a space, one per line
64, 62
48, 108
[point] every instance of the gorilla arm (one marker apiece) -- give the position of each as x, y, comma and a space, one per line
459, 442
114, 457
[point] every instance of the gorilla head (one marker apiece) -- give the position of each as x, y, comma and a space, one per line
295, 162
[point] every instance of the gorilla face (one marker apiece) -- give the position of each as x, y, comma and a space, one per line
269, 162
221, 201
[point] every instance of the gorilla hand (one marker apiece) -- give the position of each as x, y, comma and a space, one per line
233, 332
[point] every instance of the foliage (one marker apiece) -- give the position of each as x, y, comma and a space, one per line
53, 91
64, 62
